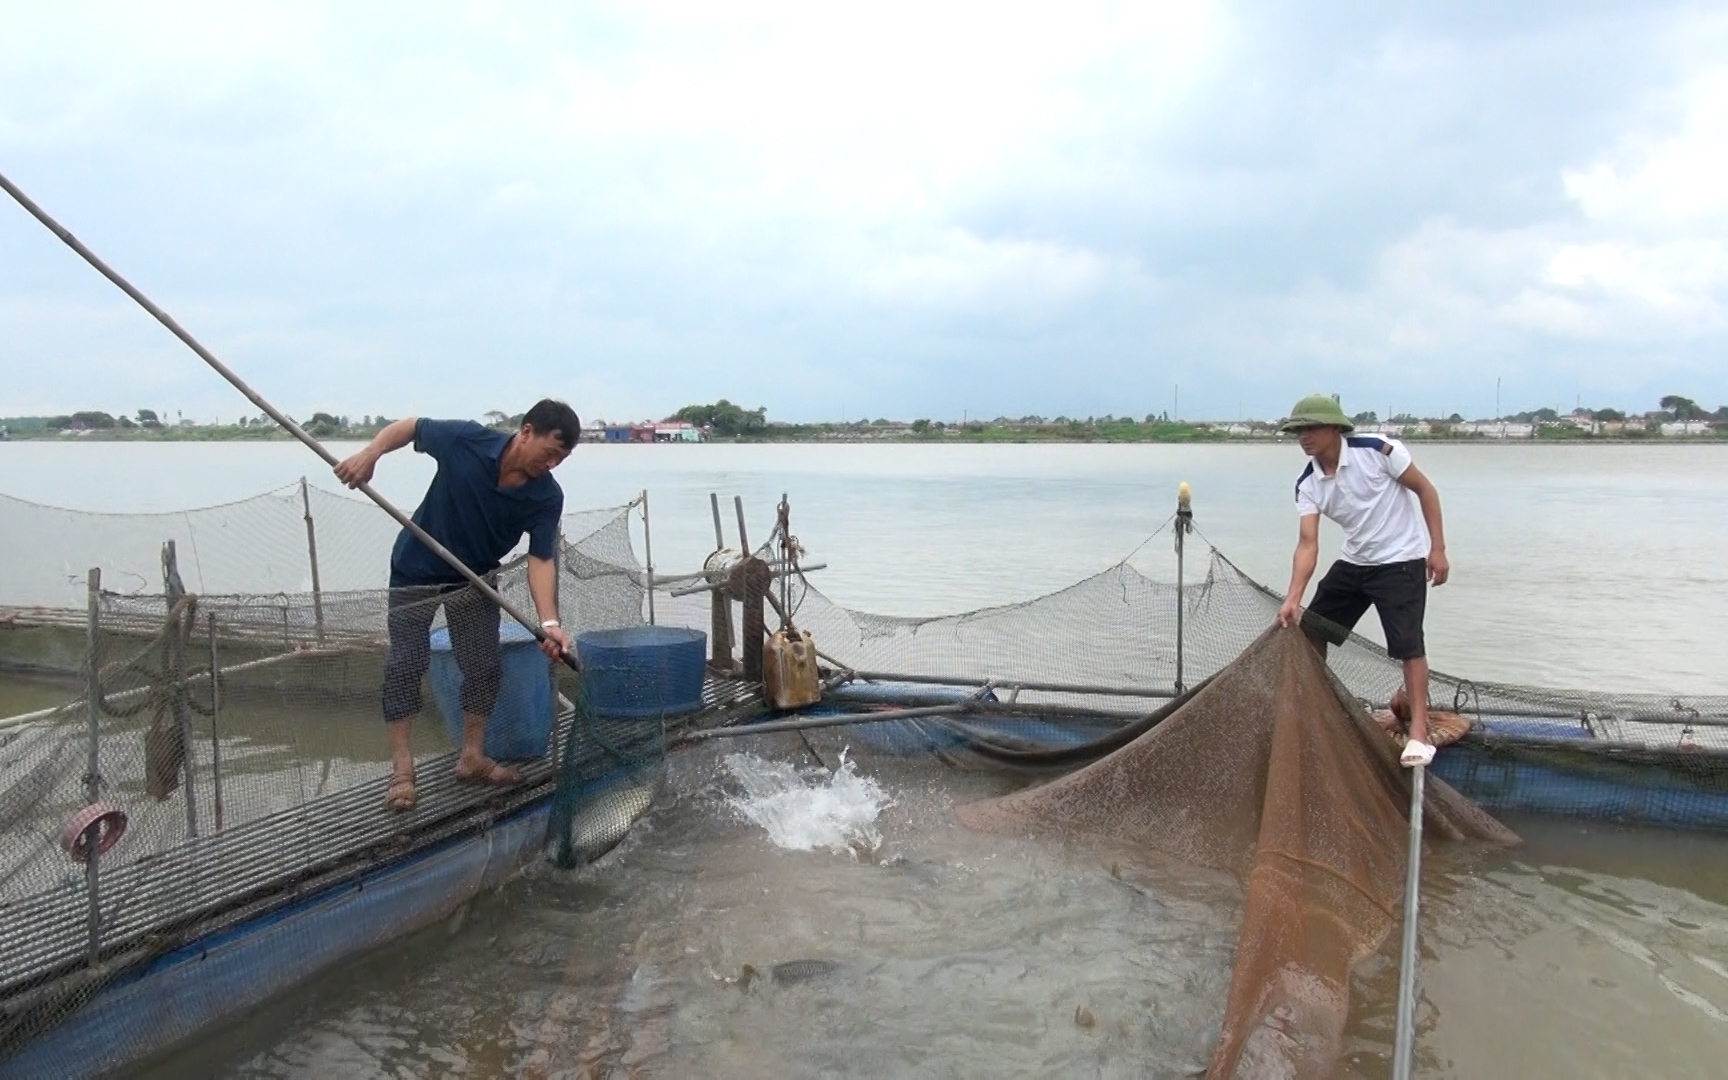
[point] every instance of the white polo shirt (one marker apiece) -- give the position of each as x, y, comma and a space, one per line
1381, 518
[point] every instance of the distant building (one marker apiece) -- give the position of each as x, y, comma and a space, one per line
676, 431
1496, 429
651, 432
1686, 427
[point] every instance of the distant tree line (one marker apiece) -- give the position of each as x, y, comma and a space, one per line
724, 419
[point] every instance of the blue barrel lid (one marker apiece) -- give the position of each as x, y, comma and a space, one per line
510, 632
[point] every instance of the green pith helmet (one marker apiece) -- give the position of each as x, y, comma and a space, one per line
1317, 410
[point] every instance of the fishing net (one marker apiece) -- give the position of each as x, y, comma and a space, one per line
259, 792
1272, 774
609, 772
232, 757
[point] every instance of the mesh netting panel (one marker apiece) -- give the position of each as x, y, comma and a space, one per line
270, 544
274, 772
1271, 774
1119, 630
292, 723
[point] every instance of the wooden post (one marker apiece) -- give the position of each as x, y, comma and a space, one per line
174, 647
312, 554
93, 777
648, 549
93, 686
1184, 524
751, 579
215, 724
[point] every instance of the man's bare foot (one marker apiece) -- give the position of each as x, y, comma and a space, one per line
401, 793
478, 769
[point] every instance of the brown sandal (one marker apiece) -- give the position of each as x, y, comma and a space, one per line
489, 772
400, 795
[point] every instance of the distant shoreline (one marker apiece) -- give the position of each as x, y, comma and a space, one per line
987, 438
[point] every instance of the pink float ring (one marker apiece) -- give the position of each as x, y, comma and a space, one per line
106, 823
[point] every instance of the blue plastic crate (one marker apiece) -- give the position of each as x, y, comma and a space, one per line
520, 726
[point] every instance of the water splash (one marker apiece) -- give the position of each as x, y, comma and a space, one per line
805, 812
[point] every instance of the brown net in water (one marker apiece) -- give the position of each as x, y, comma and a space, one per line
1271, 773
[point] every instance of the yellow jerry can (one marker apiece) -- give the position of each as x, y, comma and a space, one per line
789, 670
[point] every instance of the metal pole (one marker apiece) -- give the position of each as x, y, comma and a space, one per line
719, 535
1404, 1045
809, 723
648, 549
1006, 683
1184, 523
93, 778
288, 425
776, 569
216, 715
312, 554
743, 539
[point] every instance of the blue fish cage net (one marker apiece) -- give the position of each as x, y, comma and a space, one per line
229, 712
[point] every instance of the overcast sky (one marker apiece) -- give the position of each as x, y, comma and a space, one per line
894, 210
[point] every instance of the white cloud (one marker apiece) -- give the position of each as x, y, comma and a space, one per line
1665, 181
693, 199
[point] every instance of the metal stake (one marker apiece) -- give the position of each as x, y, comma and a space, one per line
648, 548
1404, 1045
312, 554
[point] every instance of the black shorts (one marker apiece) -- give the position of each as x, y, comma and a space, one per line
1398, 591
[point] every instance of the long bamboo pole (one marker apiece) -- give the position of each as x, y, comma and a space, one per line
288, 425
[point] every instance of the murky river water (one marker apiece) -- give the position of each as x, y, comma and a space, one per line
1591, 951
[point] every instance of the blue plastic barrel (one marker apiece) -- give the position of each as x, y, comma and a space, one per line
643, 671
520, 726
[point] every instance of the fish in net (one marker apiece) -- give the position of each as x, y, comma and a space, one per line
609, 771
1273, 773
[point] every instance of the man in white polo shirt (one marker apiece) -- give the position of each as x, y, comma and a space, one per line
1394, 546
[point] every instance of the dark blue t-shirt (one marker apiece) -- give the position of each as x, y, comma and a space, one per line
466, 510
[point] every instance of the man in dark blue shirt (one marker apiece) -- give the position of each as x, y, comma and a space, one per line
491, 487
